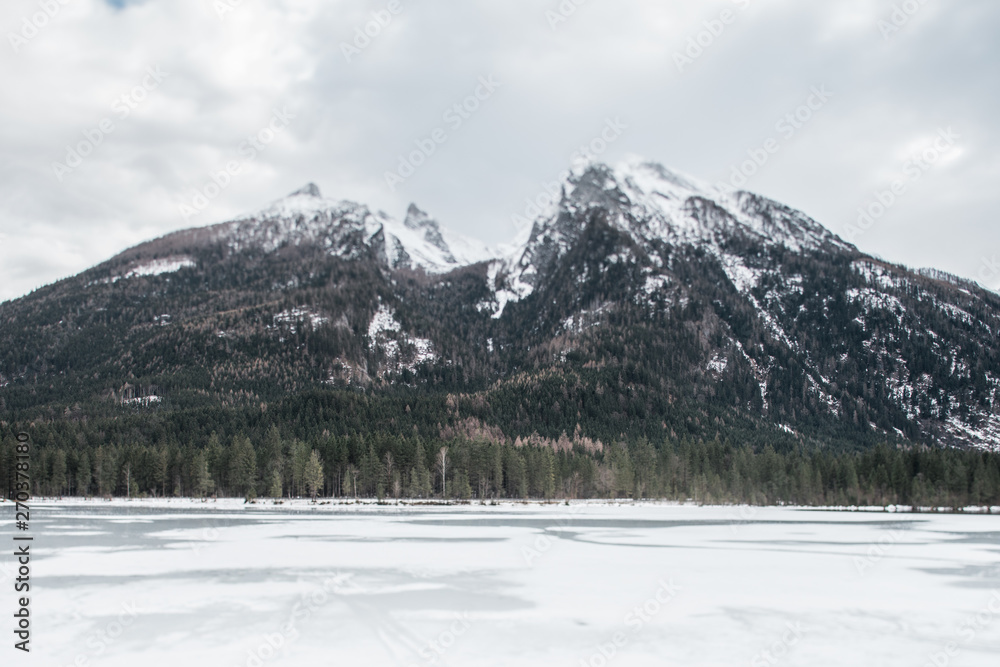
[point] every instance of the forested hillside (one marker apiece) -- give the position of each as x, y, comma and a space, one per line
642, 322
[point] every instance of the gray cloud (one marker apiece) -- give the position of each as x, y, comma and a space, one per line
352, 120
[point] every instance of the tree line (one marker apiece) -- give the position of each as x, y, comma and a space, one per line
388, 466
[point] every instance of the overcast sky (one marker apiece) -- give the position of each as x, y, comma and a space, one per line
201, 76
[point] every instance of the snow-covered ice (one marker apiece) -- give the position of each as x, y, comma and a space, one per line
183, 582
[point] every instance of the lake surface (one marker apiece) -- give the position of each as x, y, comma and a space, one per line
188, 583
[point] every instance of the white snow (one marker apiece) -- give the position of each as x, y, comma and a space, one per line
986, 435
718, 363
296, 316
655, 284
873, 299
424, 351
743, 277
224, 584
143, 401
383, 324
306, 216
383, 320
156, 267
654, 204
880, 275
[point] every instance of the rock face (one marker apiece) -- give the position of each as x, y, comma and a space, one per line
642, 299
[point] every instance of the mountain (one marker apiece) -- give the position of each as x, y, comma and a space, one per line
305, 218
642, 303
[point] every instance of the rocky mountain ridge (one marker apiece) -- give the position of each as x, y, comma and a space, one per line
642, 300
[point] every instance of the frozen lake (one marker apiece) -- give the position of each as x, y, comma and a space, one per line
186, 583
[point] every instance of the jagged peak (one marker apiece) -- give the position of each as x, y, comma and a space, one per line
418, 219
307, 190
649, 200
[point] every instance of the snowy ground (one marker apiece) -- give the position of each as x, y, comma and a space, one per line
193, 584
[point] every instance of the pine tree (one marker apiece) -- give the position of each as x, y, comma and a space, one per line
57, 481
243, 467
420, 478
217, 458
313, 476
83, 475
272, 459
201, 483
275, 490
300, 459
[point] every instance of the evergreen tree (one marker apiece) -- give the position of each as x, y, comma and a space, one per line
83, 475
274, 490
300, 460
57, 480
202, 483
243, 467
313, 476
271, 463
420, 478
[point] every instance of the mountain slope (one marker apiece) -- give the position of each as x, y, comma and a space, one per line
642, 303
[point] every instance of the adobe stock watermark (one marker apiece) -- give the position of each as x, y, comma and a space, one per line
442, 643
914, 168
123, 106
543, 543
100, 640
704, 39
967, 631
989, 271
900, 16
210, 533
266, 646
31, 26
779, 649
635, 620
248, 150
363, 35
877, 550
224, 7
787, 126
746, 515
551, 191
455, 117
565, 10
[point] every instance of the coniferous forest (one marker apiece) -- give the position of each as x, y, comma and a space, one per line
257, 454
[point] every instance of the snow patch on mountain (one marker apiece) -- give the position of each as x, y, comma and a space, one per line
874, 300
880, 275
403, 351
655, 284
743, 277
296, 317
384, 320
986, 433
424, 352
718, 363
160, 266
506, 288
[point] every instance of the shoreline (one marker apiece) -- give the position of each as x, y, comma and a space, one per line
305, 504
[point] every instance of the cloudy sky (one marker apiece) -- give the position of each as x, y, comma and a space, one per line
116, 113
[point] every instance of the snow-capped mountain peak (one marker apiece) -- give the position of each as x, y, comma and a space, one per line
654, 205
305, 216
308, 190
